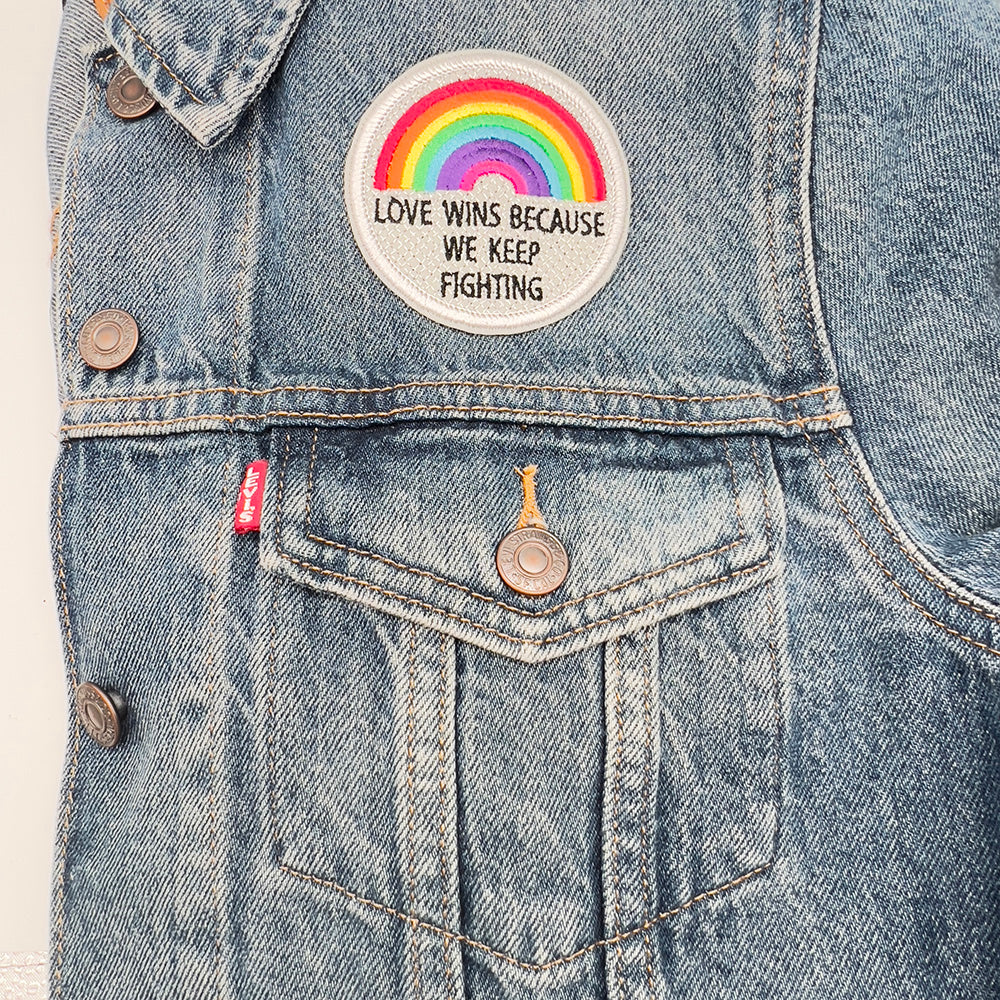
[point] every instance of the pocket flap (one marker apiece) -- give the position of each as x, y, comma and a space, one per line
407, 519
204, 64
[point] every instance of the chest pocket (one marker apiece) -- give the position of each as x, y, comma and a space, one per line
534, 776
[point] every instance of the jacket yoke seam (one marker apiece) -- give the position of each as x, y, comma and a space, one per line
799, 421
456, 384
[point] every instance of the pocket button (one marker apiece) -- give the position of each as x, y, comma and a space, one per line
532, 561
101, 713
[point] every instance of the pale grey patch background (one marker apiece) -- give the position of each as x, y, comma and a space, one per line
32, 725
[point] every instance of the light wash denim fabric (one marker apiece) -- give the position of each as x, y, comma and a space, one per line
751, 747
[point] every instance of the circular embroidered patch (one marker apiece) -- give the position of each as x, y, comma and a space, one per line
489, 191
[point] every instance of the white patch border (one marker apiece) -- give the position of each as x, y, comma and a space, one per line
495, 62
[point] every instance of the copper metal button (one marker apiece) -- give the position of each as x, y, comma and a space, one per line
108, 339
532, 561
102, 714
127, 95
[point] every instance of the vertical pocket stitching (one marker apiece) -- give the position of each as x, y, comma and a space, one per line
647, 811
411, 806
442, 691
616, 876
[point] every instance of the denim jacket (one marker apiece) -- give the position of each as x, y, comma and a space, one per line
696, 301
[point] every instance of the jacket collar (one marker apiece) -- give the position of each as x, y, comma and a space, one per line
204, 60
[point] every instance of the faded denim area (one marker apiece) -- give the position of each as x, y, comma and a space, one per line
909, 256
750, 748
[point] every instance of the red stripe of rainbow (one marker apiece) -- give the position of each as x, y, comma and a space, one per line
468, 94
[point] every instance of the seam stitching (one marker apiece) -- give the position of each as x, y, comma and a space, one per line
210, 685
897, 541
446, 384
734, 487
510, 959
798, 157
647, 808
411, 808
800, 421
309, 483
272, 764
173, 76
60, 901
520, 611
68, 241
769, 186
63, 588
772, 627
772, 648
615, 873
746, 571
271, 692
877, 559
243, 268
445, 958
54, 230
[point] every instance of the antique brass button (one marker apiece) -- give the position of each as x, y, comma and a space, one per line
108, 339
531, 560
127, 95
102, 714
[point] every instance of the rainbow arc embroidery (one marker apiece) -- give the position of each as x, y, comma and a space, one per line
469, 129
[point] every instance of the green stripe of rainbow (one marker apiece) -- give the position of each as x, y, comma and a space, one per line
447, 124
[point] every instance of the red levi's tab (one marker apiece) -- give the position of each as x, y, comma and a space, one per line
249, 504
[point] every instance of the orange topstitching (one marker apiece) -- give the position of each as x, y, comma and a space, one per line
236, 390
599, 417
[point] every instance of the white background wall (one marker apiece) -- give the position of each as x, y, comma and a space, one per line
32, 694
